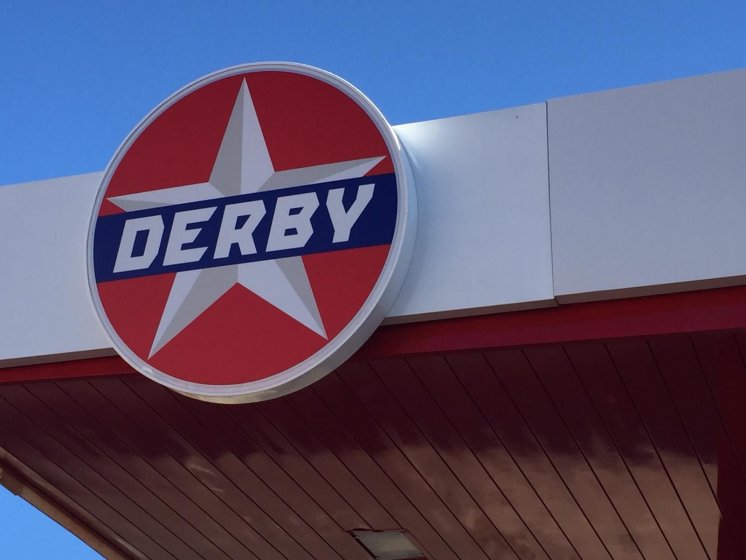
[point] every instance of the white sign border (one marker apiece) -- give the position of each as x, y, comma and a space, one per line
358, 329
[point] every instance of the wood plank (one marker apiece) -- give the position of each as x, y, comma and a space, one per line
423, 464
642, 378
685, 381
287, 502
558, 377
399, 426
283, 435
722, 359
238, 511
539, 536
402, 382
241, 488
331, 412
148, 440
16, 433
604, 385
68, 508
722, 363
84, 435
445, 385
521, 383
484, 388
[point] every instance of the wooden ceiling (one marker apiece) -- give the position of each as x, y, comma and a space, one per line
627, 448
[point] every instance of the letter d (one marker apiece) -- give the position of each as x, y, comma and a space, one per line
126, 261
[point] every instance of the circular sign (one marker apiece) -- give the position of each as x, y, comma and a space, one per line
251, 232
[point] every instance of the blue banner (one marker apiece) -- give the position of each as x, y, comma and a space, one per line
122, 250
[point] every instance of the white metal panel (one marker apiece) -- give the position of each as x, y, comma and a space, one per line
648, 194
648, 188
45, 309
483, 236
483, 240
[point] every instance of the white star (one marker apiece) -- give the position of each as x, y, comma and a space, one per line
242, 166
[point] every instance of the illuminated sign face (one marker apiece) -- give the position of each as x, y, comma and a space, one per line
251, 232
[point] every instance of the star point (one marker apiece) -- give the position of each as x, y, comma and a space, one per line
242, 166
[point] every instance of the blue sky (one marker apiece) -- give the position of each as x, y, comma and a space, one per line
77, 76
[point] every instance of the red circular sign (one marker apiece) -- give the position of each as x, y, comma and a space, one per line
251, 232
